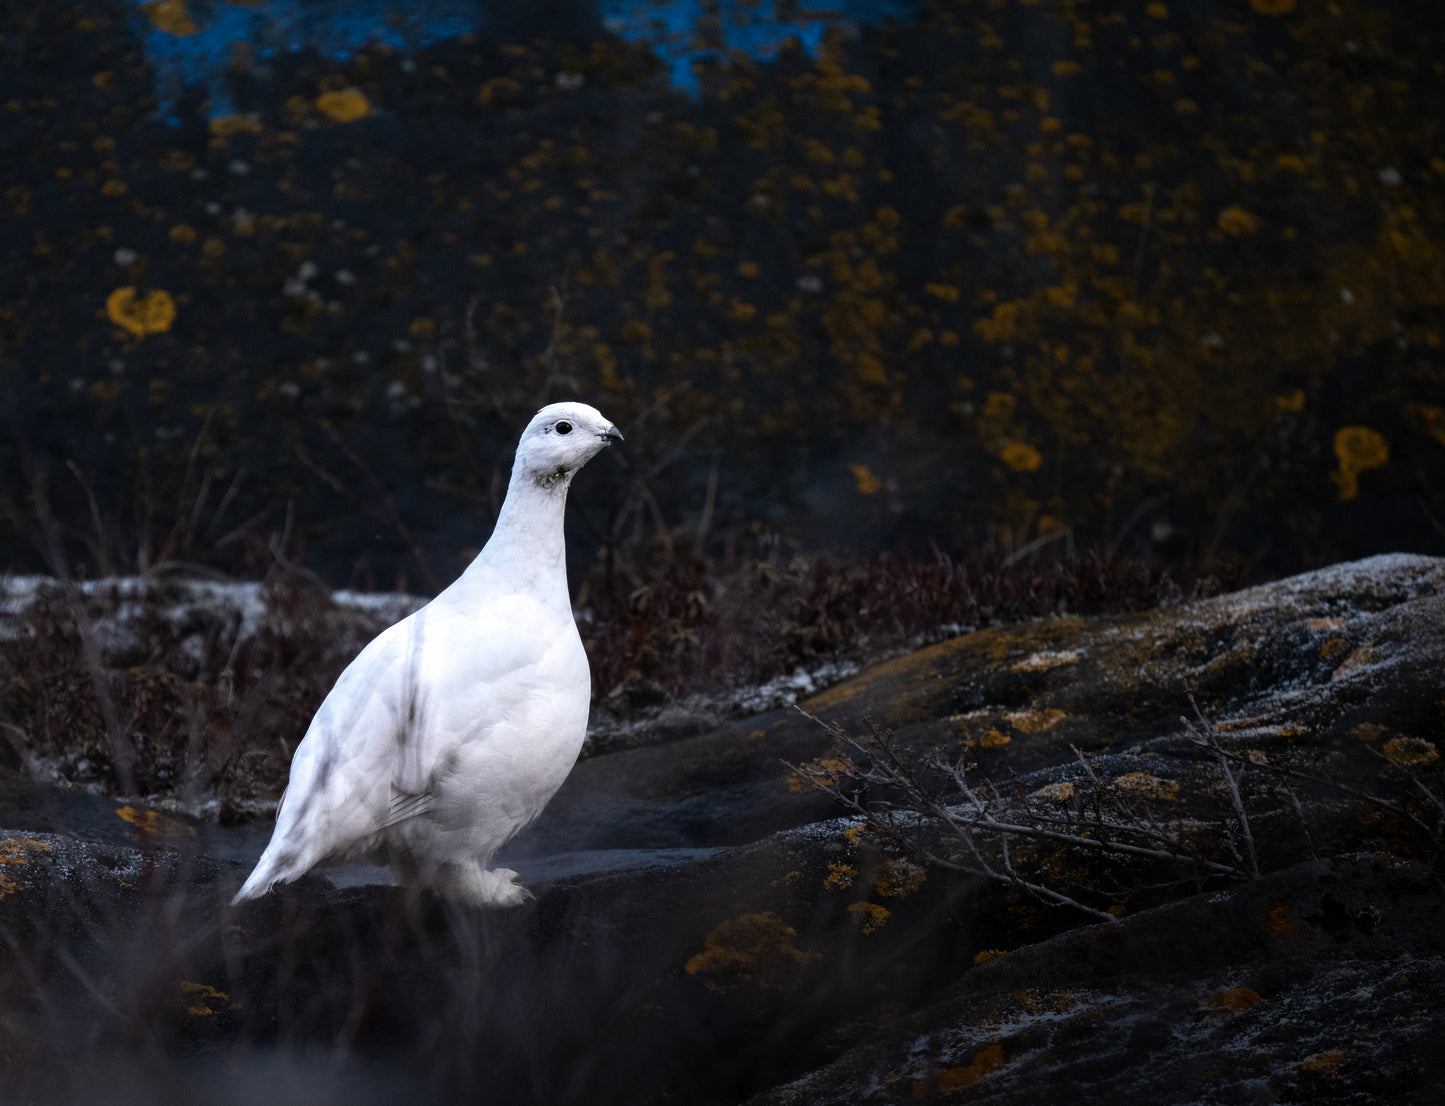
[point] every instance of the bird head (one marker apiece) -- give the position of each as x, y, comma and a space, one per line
560, 439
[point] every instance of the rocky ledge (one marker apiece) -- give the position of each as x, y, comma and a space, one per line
1188, 856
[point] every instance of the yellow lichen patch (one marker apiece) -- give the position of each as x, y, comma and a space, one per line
986, 955
898, 878
753, 948
1368, 731
1147, 786
202, 1000
1272, 7
145, 313
345, 105
956, 1079
1324, 1063
823, 772
873, 916
854, 833
1434, 420
1049, 658
840, 877
171, 17
865, 480
1034, 721
1234, 1000
1020, 456
497, 88
1357, 660
1061, 791
1357, 448
993, 739
1333, 646
17, 850
1411, 752
1235, 220
1325, 623
223, 126
154, 823
1293, 402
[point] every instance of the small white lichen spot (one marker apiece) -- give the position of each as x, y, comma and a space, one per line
1048, 658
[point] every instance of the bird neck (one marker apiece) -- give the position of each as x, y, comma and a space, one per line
527, 550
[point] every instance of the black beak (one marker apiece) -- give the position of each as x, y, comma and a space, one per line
611, 434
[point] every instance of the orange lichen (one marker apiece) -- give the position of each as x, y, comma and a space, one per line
1411, 752
224, 126
1147, 786
993, 739
753, 948
152, 312
345, 105
1272, 7
1281, 924
986, 1060
1237, 221
1358, 659
154, 823
1020, 456
984, 956
1357, 448
840, 877
1060, 791
202, 1000
1324, 1063
898, 878
171, 17
17, 851
1034, 721
1234, 1000
1434, 421
865, 480
873, 916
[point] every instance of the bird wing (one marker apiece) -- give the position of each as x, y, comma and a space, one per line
407, 804
434, 682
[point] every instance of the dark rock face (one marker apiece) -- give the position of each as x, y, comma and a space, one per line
705, 932
1311, 985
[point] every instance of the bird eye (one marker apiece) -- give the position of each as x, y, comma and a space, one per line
564, 427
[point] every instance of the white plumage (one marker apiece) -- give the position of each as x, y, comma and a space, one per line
452, 729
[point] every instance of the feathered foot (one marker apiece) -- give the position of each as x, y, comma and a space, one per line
469, 882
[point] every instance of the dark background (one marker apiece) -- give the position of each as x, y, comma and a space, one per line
1157, 278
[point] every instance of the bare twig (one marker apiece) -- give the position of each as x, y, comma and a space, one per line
1203, 733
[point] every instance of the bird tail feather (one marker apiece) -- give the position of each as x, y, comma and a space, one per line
275, 866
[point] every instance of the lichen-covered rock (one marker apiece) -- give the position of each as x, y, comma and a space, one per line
1317, 983
708, 928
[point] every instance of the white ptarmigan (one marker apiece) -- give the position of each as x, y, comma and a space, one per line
452, 729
